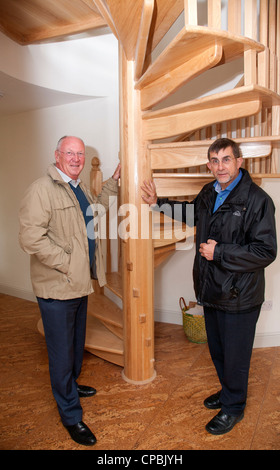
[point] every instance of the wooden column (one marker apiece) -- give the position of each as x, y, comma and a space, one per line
137, 253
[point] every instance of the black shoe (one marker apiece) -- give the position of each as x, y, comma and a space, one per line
85, 391
213, 402
81, 434
222, 423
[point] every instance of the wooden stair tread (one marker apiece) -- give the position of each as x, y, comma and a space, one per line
99, 305
167, 231
189, 184
163, 252
29, 23
191, 40
180, 184
102, 343
192, 153
99, 337
194, 50
114, 283
186, 117
107, 312
242, 93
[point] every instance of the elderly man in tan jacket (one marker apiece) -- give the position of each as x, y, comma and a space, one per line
58, 231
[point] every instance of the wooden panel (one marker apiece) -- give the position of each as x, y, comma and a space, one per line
106, 311
143, 35
126, 22
214, 14
100, 337
165, 14
174, 185
234, 16
186, 117
188, 154
164, 86
29, 21
126, 17
167, 231
179, 156
162, 253
114, 283
102, 343
189, 42
187, 184
190, 12
250, 30
196, 114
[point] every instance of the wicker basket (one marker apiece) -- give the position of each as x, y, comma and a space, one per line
194, 325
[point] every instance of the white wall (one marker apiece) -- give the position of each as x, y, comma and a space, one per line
28, 140
27, 144
85, 66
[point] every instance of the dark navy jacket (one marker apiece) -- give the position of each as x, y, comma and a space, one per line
244, 228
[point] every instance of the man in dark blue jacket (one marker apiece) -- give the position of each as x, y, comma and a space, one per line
235, 241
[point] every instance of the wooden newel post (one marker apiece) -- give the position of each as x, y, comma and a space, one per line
95, 176
137, 251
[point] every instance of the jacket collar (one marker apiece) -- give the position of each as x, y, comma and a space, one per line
54, 174
239, 194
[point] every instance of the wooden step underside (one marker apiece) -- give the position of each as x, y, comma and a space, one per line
167, 231
196, 114
107, 312
103, 343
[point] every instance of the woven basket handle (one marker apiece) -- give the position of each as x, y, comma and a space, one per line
182, 303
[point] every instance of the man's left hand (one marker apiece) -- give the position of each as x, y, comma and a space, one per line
207, 249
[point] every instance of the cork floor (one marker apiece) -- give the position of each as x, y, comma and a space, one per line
166, 414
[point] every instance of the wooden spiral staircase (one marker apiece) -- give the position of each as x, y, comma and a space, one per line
169, 143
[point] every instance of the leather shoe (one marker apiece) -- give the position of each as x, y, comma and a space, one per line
85, 391
81, 434
222, 423
213, 402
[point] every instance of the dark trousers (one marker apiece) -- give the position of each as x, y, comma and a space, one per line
64, 324
230, 339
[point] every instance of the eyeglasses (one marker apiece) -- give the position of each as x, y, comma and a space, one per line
225, 161
71, 154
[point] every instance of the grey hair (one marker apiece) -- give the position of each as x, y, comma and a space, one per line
65, 137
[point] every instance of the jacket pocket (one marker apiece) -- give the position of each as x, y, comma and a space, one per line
63, 212
78, 275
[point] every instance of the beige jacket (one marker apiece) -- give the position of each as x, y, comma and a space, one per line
53, 232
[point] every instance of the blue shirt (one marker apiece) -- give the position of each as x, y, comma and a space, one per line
223, 194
